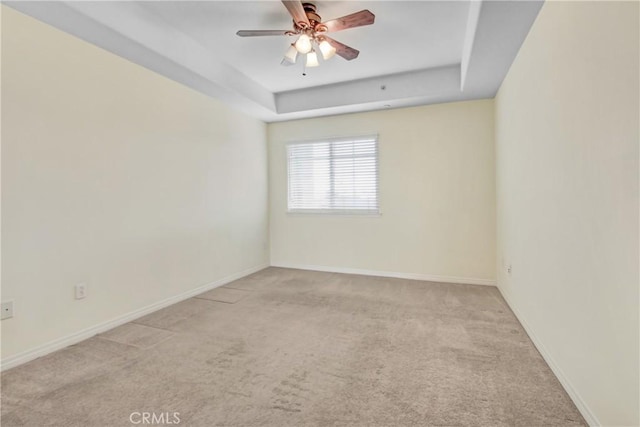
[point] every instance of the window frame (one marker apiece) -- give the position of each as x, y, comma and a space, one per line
338, 211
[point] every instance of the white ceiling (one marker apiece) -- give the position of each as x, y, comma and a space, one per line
421, 52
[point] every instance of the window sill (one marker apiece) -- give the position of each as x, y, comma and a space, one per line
334, 212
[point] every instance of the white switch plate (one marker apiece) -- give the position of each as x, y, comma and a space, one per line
81, 291
7, 310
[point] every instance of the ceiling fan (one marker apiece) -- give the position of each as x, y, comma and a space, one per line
312, 32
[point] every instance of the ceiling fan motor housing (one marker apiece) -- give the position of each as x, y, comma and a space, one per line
314, 19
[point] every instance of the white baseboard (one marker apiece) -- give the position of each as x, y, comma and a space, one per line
582, 406
412, 276
51, 346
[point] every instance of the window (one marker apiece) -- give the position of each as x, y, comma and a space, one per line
333, 176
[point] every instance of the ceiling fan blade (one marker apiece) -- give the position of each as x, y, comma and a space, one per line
358, 19
297, 12
343, 50
257, 33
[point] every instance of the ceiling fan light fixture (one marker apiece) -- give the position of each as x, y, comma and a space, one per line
303, 44
312, 59
327, 50
291, 55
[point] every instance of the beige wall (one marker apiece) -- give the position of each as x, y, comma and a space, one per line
567, 179
115, 176
437, 196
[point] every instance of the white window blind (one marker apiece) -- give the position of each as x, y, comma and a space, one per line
333, 176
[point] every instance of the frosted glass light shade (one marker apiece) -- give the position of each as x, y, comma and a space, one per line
303, 45
312, 59
291, 55
327, 50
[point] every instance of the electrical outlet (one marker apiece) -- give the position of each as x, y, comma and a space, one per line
81, 291
509, 269
7, 310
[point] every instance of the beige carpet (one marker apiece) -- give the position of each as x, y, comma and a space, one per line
297, 348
